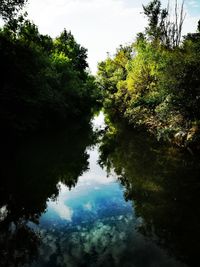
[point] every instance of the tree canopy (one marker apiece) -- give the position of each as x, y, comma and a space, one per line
10, 8
156, 85
45, 81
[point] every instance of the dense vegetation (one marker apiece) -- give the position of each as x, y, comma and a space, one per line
154, 83
45, 82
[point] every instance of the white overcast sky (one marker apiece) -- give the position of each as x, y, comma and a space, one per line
99, 25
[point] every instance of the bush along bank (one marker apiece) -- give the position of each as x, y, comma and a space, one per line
154, 83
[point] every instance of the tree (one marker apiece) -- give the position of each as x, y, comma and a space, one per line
10, 8
198, 26
160, 27
158, 86
77, 54
44, 81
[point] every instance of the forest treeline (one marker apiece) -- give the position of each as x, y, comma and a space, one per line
45, 82
154, 83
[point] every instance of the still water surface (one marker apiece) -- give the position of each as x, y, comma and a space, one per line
90, 197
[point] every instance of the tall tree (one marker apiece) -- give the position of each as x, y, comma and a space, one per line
160, 27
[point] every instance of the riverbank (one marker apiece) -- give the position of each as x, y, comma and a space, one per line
154, 85
185, 138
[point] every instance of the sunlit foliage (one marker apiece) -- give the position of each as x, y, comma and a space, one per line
156, 83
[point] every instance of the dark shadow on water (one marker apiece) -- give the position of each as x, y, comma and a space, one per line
30, 172
163, 184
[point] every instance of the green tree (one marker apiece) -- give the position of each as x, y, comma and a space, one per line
10, 8
77, 54
50, 83
157, 86
160, 28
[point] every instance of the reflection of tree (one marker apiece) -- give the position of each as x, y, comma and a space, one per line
29, 176
18, 244
164, 185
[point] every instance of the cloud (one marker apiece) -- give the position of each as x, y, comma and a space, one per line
105, 243
190, 24
59, 206
193, 3
87, 206
62, 210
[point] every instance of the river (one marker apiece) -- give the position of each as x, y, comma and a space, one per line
89, 196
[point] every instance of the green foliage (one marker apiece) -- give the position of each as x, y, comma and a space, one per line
111, 75
161, 28
156, 18
66, 44
10, 8
157, 87
44, 81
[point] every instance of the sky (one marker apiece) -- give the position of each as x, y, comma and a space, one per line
99, 25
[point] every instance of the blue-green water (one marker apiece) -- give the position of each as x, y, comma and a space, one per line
93, 225
80, 198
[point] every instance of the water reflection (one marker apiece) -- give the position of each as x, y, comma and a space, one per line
60, 207
30, 173
163, 185
101, 229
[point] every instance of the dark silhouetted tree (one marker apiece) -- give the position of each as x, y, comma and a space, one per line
10, 8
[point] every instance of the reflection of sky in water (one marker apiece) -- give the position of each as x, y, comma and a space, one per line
92, 225
95, 196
